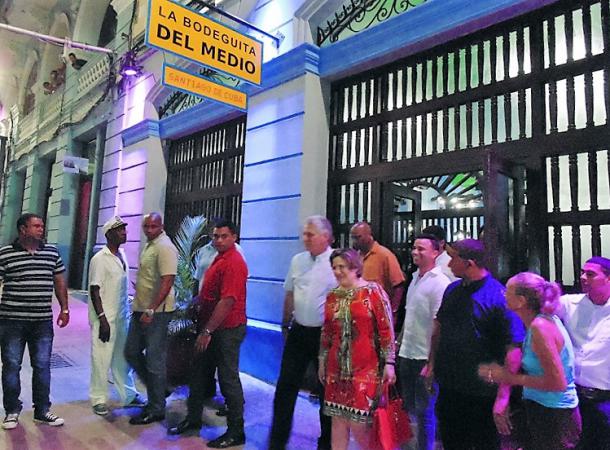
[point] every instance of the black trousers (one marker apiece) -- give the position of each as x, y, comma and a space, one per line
223, 352
552, 428
595, 423
466, 421
302, 347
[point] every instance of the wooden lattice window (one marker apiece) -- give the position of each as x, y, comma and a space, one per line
205, 174
578, 190
532, 91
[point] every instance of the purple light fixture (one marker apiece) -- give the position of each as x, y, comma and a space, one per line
129, 67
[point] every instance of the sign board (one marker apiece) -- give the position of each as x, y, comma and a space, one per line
179, 30
74, 164
177, 78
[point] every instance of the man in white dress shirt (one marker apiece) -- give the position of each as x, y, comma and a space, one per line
587, 319
443, 258
309, 280
109, 320
424, 298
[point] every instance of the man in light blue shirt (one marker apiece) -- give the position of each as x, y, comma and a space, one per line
207, 254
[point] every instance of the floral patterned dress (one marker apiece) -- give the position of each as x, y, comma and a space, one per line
357, 340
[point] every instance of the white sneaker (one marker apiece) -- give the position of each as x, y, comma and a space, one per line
10, 421
50, 419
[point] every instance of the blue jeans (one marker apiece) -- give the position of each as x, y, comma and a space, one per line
146, 352
418, 401
38, 335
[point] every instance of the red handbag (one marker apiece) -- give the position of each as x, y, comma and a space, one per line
391, 425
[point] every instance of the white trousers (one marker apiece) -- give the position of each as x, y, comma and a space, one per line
107, 356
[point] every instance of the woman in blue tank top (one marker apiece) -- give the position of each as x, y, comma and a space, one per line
547, 377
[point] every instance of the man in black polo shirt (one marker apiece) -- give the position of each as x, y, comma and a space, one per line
30, 270
472, 326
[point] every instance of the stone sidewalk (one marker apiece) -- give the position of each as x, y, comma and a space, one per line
85, 430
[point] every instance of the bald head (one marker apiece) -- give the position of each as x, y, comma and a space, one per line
154, 215
152, 225
362, 237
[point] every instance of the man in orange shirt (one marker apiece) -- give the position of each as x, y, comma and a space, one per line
380, 264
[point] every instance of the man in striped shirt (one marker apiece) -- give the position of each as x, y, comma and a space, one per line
30, 270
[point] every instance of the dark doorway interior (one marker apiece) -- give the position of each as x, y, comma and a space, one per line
79, 238
78, 249
452, 201
47, 190
462, 203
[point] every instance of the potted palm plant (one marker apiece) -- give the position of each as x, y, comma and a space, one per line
189, 239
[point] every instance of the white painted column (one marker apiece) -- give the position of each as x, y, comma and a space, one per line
285, 180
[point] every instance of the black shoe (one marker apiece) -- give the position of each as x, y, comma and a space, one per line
222, 411
183, 427
228, 440
323, 444
275, 446
137, 402
146, 418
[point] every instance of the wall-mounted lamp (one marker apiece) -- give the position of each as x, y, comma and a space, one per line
280, 38
129, 67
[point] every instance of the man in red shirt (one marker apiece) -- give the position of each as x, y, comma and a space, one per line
222, 330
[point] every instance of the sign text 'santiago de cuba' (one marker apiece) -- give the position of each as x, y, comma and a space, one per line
179, 30
177, 78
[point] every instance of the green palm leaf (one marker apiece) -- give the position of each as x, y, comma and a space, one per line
189, 239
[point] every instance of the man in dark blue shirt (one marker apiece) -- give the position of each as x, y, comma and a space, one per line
472, 326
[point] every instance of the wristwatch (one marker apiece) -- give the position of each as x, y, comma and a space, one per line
149, 312
206, 332
65, 311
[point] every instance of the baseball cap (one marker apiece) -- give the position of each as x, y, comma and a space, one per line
112, 223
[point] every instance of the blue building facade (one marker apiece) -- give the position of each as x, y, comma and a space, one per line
128, 135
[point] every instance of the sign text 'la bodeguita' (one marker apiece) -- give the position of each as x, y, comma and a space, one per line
182, 31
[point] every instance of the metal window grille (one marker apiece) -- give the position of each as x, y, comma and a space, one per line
205, 174
533, 90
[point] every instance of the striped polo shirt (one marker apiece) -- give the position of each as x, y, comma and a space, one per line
28, 281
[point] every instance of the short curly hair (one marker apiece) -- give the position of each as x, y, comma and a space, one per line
25, 218
351, 257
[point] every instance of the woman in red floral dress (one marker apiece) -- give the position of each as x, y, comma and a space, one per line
356, 349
